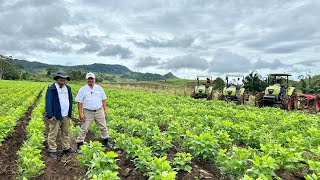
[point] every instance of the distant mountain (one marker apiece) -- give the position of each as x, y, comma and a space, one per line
107, 69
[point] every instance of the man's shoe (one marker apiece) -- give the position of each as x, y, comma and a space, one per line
106, 143
53, 155
68, 151
79, 144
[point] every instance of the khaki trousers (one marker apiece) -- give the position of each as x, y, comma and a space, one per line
54, 130
91, 116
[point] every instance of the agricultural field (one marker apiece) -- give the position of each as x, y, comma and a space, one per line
160, 136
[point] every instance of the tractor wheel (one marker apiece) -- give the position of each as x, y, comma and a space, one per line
258, 102
193, 95
210, 96
294, 101
221, 97
286, 103
241, 99
317, 103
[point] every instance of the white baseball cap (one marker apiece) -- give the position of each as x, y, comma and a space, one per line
90, 75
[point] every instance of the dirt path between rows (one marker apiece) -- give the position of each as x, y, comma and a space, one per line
13, 143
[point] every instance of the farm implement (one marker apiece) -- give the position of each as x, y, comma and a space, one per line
309, 101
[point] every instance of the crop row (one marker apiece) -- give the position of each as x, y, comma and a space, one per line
30, 163
16, 105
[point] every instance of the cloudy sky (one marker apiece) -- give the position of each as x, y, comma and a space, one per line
186, 37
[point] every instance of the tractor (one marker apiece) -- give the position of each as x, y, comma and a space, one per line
278, 92
234, 90
203, 90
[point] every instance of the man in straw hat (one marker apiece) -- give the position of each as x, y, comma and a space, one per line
58, 112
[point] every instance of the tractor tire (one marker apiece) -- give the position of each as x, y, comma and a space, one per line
221, 97
317, 103
210, 96
294, 101
241, 99
193, 95
286, 103
258, 102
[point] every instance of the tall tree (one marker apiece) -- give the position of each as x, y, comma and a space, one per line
254, 83
218, 84
7, 70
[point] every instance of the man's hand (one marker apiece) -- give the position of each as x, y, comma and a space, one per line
52, 120
82, 117
106, 113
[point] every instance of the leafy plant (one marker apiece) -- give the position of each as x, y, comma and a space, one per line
263, 167
160, 169
181, 162
235, 161
100, 165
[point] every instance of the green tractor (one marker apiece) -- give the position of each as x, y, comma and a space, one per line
278, 92
203, 90
234, 90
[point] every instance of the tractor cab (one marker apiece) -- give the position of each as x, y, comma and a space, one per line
278, 92
278, 84
234, 81
234, 90
204, 87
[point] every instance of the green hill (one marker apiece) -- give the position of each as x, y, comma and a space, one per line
107, 72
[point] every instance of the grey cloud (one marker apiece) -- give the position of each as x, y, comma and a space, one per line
91, 43
185, 62
34, 46
275, 64
48, 46
182, 42
283, 49
147, 62
308, 63
287, 31
33, 22
225, 61
116, 50
91, 47
33, 25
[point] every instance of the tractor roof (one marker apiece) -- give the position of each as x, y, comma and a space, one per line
209, 76
234, 75
280, 74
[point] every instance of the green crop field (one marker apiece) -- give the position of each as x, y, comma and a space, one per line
161, 136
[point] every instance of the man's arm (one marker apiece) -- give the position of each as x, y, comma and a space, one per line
104, 105
79, 99
80, 110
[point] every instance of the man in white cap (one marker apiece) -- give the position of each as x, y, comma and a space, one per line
92, 107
